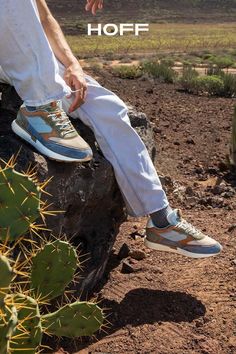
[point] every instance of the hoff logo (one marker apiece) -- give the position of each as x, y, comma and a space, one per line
111, 29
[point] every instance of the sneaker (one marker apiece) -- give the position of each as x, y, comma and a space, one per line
180, 237
50, 131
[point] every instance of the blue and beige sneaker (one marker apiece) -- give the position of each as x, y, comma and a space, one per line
180, 237
50, 131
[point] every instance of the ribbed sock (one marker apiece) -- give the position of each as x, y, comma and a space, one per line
159, 218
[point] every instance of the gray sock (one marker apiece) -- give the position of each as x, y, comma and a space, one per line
159, 218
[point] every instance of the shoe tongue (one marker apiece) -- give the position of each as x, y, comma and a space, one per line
174, 217
50, 107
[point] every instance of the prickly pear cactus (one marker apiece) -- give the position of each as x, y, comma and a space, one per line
74, 320
233, 143
8, 314
28, 334
8, 324
19, 203
6, 276
53, 268
41, 272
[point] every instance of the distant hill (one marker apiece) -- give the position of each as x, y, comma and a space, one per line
71, 13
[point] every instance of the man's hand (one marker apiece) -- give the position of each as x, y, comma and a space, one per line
94, 5
74, 77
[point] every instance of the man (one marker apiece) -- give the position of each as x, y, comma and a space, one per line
36, 59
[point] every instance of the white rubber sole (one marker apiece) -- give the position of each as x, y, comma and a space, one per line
41, 148
163, 248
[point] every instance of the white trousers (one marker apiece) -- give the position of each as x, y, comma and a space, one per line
28, 63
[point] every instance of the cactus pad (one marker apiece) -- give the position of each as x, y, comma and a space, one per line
19, 203
28, 335
53, 268
6, 276
8, 323
74, 320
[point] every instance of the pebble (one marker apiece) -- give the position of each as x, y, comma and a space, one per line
149, 90
128, 268
137, 254
190, 141
124, 251
232, 228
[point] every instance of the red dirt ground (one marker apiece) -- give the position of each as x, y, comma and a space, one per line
172, 304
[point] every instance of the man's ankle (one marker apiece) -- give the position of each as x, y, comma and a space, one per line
160, 217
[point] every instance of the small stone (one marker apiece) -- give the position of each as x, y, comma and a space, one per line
176, 143
136, 235
217, 190
166, 181
157, 130
124, 251
149, 90
128, 268
157, 270
190, 141
232, 228
138, 255
189, 191
234, 261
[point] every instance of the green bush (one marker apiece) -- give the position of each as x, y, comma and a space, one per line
160, 71
168, 62
208, 56
229, 81
187, 80
223, 62
128, 71
193, 83
213, 85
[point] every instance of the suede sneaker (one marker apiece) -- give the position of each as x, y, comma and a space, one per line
180, 237
50, 131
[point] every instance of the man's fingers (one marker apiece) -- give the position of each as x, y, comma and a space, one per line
84, 94
94, 5
79, 99
77, 102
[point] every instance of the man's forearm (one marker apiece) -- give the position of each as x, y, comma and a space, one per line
57, 41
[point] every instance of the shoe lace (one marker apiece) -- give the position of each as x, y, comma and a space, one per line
62, 121
189, 229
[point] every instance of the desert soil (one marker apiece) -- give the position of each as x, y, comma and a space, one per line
171, 304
